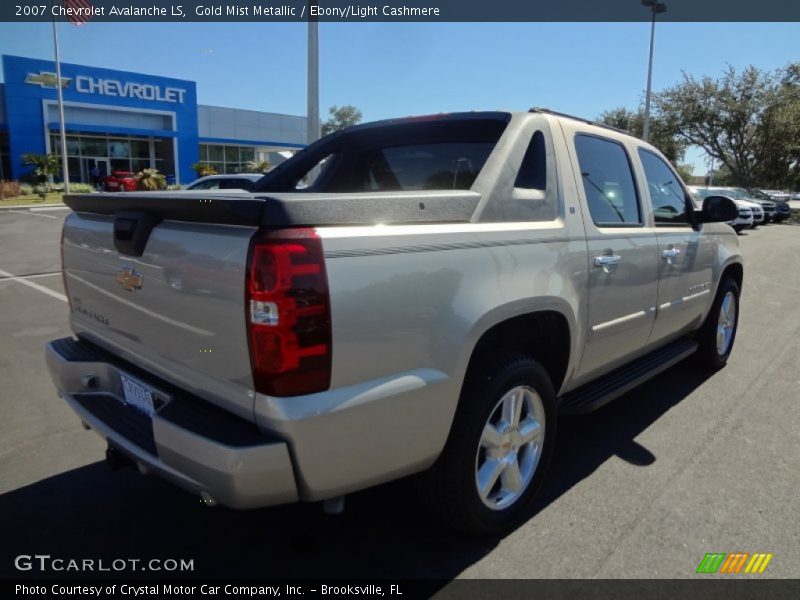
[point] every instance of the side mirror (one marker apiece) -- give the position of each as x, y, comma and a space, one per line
718, 209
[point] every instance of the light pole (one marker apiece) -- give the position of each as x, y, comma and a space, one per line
655, 8
312, 131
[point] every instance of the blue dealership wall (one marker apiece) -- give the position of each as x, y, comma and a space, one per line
25, 114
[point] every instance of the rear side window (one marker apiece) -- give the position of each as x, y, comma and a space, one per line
438, 152
440, 166
211, 184
236, 184
607, 181
666, 193
533, 170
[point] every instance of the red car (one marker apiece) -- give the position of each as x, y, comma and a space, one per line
120, 181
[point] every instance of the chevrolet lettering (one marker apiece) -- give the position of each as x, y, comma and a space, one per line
143, 91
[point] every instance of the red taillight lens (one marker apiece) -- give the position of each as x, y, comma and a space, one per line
288, 313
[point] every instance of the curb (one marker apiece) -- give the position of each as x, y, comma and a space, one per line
38, 205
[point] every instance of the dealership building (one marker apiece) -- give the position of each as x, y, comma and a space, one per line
126, 121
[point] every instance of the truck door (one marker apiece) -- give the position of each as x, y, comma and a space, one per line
623, 256
685, 255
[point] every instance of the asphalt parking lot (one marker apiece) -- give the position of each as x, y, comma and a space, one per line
684, 465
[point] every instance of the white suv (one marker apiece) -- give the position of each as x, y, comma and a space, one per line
756, 210
747, 214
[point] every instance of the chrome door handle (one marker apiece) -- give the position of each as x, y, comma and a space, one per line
670, 253
607, 260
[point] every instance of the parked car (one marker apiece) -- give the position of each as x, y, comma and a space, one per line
745, 218
120, 181
782, 210
437, 295
759, 214
768, 204
240, 182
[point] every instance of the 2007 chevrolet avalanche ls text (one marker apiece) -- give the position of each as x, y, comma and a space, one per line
421, 295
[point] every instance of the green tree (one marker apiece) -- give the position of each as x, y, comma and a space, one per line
662, 132
685, 171
44, 166
748, 121
341, 117
150, 180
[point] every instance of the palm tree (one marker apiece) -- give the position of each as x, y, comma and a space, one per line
150, 180
44, 165
258, 166
202, 169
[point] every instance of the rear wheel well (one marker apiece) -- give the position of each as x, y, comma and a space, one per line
736, 272
543, 336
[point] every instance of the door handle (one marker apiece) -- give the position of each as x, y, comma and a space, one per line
670, 253
607, 260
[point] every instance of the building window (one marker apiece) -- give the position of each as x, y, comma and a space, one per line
227, 158
113, 153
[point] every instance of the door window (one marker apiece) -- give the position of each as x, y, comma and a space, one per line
608, 182
666, 192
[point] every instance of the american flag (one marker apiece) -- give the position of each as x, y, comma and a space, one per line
82, 11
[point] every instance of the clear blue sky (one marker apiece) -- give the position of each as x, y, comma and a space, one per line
390, 70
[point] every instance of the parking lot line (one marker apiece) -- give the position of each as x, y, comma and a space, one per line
47, 208
31, 276
31, 284
31, 214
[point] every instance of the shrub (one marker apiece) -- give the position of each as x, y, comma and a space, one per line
25, 189
81, 188
9, 189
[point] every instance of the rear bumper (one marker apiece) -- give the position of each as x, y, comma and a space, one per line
198, 447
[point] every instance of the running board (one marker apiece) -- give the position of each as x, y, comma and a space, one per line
595, 394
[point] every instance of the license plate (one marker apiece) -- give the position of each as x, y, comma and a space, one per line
137, 395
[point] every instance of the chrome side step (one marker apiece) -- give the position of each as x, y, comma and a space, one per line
595, 394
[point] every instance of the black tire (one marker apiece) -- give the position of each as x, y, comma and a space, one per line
708, 354
449, 488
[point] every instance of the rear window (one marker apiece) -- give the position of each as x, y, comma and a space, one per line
444, 153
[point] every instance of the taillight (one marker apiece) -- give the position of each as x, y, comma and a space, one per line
288, 313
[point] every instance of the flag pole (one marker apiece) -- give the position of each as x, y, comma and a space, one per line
63, 133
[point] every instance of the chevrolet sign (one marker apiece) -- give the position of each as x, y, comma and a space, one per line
46, 80
143, 91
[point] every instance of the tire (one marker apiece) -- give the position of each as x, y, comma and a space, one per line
715, 339
450, 487
738, 228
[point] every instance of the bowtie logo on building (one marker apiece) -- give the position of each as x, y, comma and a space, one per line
735, 562
47, 80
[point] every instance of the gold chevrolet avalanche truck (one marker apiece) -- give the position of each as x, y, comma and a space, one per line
415, 296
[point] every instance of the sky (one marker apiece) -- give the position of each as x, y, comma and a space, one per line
399, 69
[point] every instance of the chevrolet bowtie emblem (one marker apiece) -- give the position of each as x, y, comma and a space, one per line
47, 80
130, 279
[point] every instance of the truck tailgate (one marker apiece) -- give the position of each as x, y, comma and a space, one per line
177, 310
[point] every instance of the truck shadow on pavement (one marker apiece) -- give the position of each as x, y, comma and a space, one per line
91, 512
